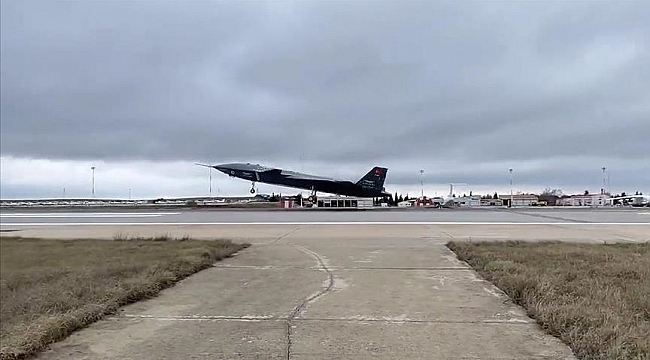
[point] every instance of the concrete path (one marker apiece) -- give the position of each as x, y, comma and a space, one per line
323, 293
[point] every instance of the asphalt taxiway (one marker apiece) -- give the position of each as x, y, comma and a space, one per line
323, 284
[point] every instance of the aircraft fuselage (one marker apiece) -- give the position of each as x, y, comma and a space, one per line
370, 185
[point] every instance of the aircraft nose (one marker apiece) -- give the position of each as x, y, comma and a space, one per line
223, 168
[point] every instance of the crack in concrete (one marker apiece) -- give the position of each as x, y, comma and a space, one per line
296, 311
448, 235
552, 217
284, 235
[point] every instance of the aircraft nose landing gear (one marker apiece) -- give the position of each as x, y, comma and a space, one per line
253, 189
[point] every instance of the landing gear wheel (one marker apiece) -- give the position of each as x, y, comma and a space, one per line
312, 196
253, 189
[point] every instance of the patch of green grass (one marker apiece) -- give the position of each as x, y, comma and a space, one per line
594, 297
50, 288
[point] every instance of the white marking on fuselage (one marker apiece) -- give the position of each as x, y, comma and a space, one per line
328, 223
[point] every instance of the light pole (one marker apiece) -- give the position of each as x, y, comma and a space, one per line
129, 194
93, 169
510, 187
210, 179
422, 181
602, 192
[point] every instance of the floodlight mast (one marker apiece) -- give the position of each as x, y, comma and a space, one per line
93, 191
511, 190
422, 182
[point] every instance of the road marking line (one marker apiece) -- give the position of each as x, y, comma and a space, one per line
247, 318
84, 215
320, 223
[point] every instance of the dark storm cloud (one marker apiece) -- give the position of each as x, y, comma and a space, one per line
459, 83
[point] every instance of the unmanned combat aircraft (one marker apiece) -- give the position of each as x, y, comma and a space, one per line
371, 185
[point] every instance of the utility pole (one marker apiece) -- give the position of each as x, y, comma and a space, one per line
210, 179
511, 197
93, 169
422, 181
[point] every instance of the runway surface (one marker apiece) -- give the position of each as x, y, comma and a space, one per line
325, 284
407, 216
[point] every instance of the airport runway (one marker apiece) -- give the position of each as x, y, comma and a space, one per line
325, 284
314, 217
260, 225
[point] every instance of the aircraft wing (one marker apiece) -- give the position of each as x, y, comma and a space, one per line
295, 175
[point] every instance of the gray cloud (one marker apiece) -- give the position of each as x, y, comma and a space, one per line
444, 85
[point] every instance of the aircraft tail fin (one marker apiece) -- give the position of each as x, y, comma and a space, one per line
374, 179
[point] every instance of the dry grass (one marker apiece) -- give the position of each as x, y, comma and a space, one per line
50, 288
594, 297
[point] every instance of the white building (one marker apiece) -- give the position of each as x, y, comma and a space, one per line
586, 200
520, 199
465, 201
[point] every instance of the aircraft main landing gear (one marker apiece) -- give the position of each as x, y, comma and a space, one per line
312, 196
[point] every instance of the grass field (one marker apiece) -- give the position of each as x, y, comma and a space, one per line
595, 297
49, 288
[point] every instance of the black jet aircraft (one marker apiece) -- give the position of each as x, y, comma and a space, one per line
371, 185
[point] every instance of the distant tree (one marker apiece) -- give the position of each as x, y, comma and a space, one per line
586, 192
496, 196
470, 193
636, 193
554, 192
623, 194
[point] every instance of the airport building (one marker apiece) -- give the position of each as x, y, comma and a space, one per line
466, 201
519, 199
585, 200
424, 201
491, 202
344, 202
327, 202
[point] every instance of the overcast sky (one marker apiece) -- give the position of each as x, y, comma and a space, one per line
464, 90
